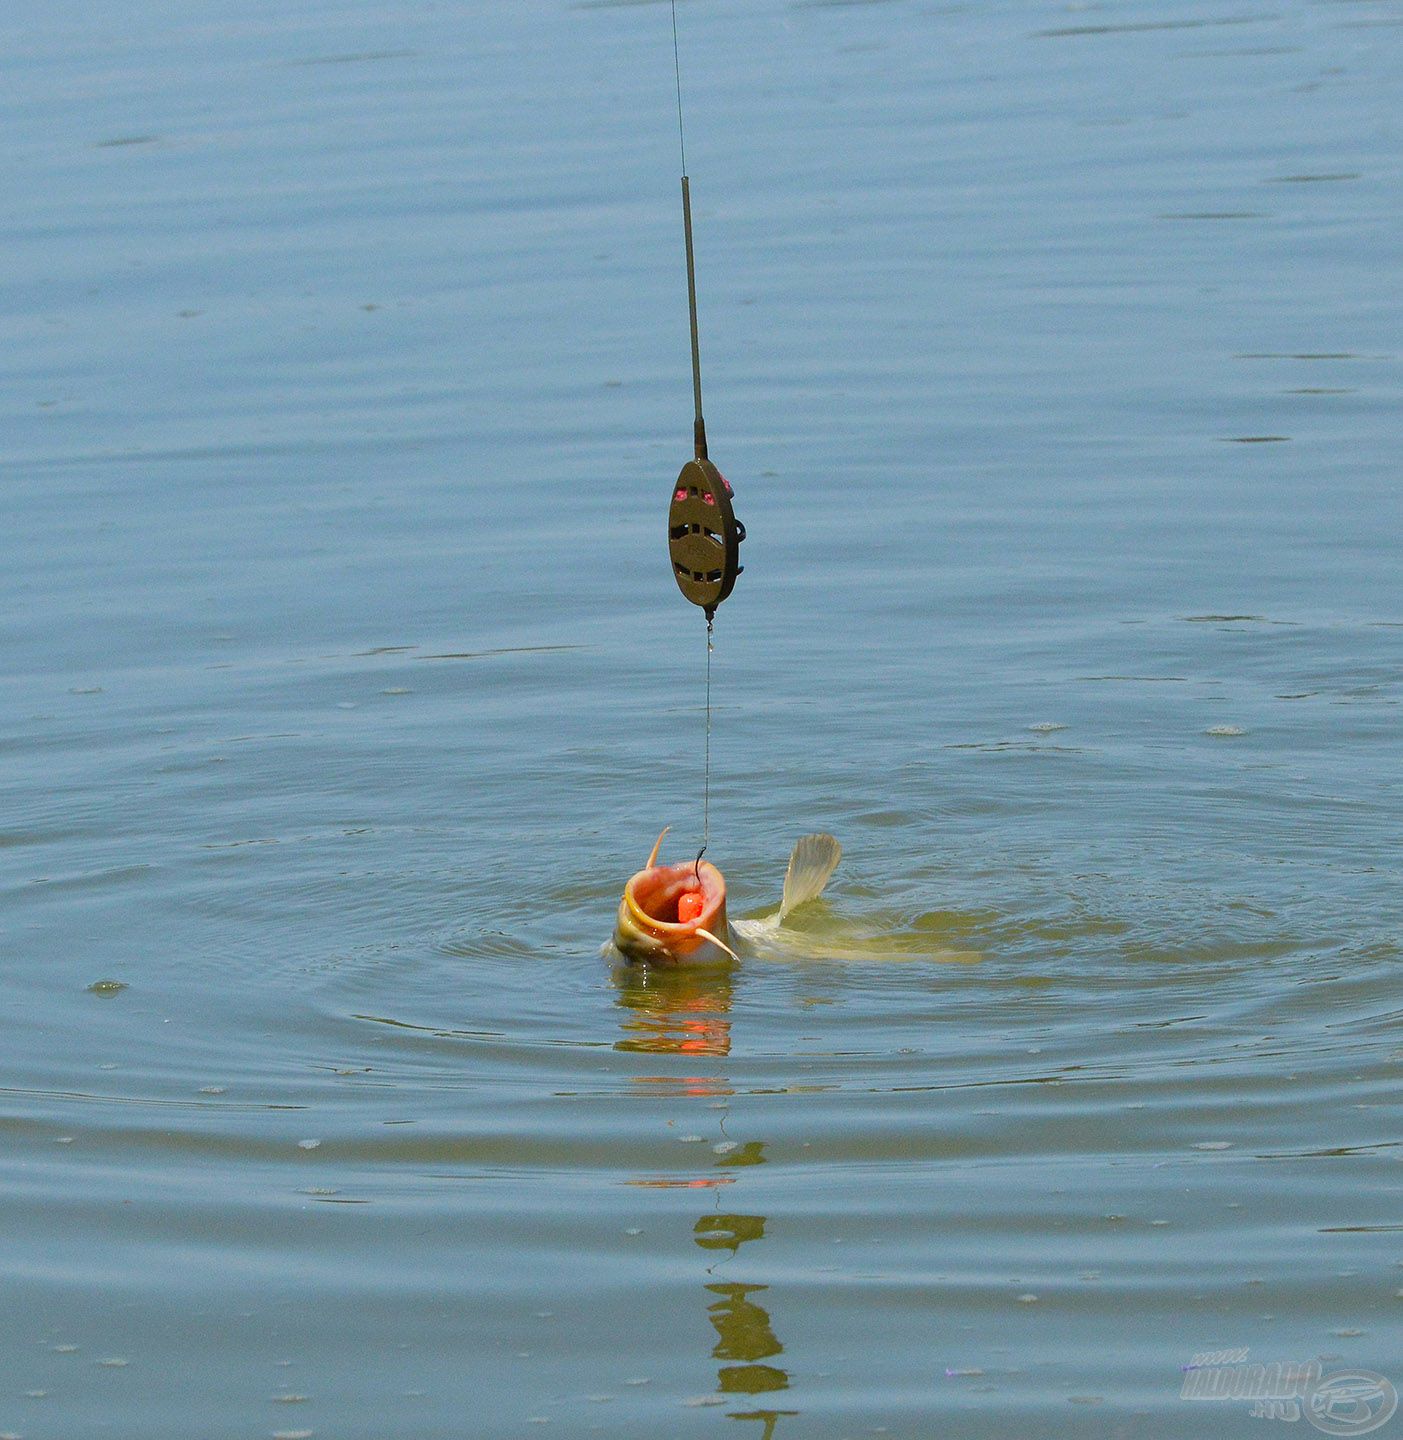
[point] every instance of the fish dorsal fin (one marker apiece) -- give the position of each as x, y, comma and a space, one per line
814, 859
657, 845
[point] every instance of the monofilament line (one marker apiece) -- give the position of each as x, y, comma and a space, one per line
706, 768
677, 71
699, 424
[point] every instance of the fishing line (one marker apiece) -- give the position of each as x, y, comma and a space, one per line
706, 769
703, 534
677, 70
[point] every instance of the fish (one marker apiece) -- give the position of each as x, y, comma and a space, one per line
676, 914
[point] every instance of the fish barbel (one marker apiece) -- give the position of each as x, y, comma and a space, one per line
676, 914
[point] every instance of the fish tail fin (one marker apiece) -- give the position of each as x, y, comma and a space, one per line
657, 845
814, 859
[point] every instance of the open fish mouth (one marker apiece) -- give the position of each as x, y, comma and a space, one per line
653, 895
674, 914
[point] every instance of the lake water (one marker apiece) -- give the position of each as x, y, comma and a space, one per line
1053, 352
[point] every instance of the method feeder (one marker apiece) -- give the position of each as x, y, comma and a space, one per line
703, 534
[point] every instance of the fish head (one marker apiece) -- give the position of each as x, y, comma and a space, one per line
650, 929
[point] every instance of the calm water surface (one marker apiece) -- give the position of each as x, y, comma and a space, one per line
1053, 351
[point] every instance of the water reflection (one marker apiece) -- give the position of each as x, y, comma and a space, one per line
678, 1011
744, 1332
682, 1012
